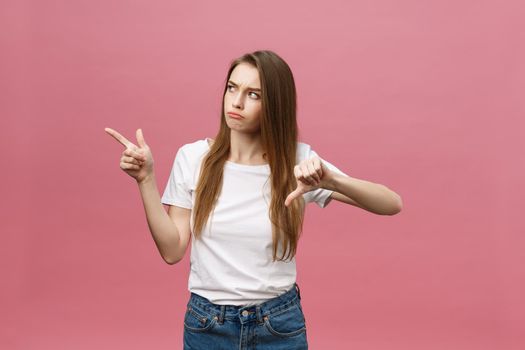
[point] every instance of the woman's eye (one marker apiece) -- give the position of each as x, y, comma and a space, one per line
231, 86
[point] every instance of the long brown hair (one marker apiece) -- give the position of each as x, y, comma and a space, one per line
279, 136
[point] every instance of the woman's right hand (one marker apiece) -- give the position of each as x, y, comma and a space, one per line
137, 162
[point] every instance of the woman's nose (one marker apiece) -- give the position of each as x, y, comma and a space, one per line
237, 101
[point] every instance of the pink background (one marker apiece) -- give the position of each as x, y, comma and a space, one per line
425, 97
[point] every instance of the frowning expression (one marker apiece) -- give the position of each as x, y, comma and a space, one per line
242, 99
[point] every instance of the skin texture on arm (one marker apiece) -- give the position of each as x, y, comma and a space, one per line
164, 231
181, 219
375, 198
344, 199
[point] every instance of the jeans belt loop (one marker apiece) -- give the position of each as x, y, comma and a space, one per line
221, 314
258, 314
298, 290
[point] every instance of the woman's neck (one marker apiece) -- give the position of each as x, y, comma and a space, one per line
246, 149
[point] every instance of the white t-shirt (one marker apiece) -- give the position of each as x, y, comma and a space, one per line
232, 262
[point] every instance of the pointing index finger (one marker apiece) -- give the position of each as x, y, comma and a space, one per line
119, 138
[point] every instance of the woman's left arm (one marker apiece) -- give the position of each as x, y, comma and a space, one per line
370, 196
313, 173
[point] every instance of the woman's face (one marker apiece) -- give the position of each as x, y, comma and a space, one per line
243, 97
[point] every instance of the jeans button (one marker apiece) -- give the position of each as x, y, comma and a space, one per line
245, 313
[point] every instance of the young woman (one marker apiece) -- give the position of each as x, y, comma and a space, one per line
241, 198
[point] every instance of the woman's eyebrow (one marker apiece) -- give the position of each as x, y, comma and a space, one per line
249, 88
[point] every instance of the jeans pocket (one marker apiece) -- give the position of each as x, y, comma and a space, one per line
286, 323
196, 320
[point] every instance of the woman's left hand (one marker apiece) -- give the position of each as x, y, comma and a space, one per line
311, 174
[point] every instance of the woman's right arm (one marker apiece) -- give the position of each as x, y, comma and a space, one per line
170, 231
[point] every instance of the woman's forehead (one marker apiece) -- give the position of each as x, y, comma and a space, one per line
245, 75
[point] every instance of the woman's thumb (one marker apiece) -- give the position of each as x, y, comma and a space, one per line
140, 138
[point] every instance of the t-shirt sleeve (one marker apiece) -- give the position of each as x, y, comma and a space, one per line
177, 191
321, 196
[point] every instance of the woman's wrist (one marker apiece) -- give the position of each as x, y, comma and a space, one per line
146, 180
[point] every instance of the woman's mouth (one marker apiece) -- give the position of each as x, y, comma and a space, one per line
235, 116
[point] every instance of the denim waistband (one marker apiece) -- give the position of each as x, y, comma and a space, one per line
259, 311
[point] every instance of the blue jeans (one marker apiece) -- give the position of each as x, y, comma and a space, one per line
277, 323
